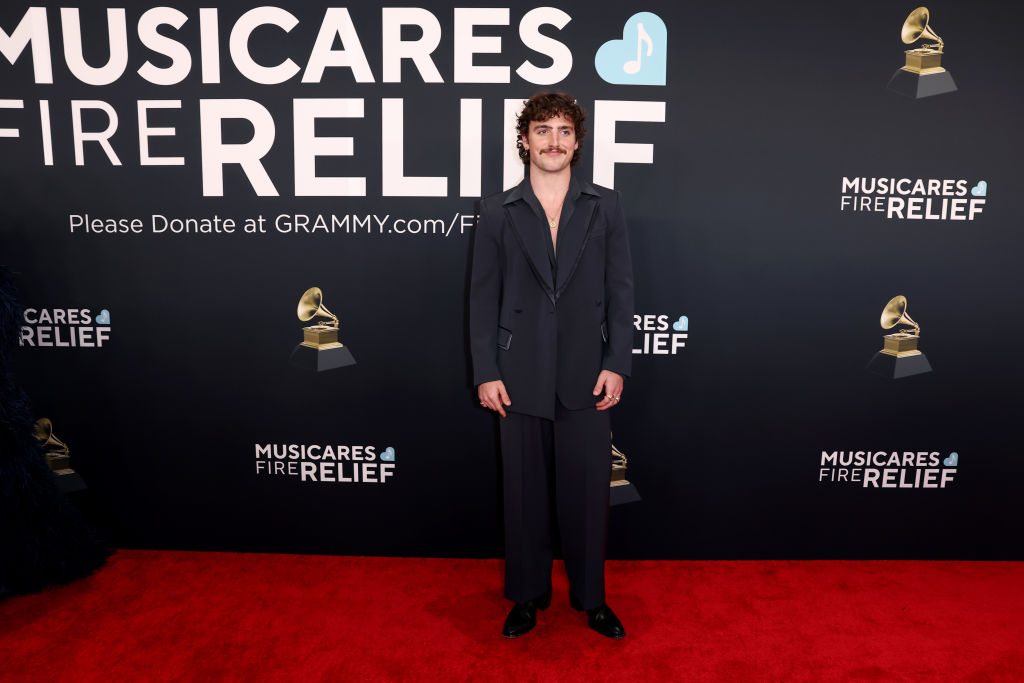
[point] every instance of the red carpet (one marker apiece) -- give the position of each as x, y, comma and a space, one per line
188, 616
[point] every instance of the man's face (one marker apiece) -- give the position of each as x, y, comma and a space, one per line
551, 144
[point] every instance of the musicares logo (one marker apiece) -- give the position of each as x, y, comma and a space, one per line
888, 469
660, 335
915, 199
342, 464
64, 328
173, 56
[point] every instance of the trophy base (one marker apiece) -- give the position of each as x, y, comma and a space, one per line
921, 84
69, 481
894, 367
320, 359
622, 492
58, 461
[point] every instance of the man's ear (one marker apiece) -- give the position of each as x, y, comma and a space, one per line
526, 145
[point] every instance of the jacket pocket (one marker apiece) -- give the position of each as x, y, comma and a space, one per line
504, 338
604, 330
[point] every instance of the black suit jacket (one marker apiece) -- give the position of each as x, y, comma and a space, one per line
547, 335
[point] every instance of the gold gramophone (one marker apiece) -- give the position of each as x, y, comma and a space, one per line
58, 457
899, 356
927, 58
923, 74
618, 467
900, 343
320, 335
621, 490
320, 349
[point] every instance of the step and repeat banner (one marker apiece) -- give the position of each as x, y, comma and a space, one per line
825, 222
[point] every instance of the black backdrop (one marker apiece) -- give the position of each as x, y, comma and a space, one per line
737, 224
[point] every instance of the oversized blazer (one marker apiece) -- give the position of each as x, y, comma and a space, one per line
548, 336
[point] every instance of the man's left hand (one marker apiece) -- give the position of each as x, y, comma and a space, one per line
611, 384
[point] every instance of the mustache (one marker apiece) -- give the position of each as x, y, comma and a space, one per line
562, 150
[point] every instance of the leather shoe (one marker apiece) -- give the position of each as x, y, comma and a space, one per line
523, 616
601, 619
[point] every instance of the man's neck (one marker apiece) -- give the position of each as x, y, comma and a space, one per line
549, 186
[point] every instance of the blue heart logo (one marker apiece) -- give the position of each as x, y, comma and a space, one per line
681, 325
640, 57
103, 318
980, 190
952, 460
388, 455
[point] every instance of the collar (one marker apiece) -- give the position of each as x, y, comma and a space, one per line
524, 190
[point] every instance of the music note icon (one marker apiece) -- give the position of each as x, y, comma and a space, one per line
633, 66
638, 56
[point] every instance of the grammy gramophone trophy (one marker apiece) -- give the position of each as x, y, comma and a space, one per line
320, 349
899, 356
621, 490
923, 74
58, 456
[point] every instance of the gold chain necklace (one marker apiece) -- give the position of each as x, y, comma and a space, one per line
553, 222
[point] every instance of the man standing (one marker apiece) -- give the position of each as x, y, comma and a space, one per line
551, 332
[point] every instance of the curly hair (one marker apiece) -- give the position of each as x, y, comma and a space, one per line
546, 105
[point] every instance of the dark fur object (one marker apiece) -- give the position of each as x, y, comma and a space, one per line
44, 540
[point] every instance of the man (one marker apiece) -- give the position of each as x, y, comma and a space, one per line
551, 332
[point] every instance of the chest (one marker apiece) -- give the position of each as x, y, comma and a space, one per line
552, 209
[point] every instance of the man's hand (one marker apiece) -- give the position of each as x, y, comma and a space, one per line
611, 384
493, 396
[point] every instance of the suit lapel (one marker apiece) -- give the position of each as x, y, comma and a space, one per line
572, 239
526, 226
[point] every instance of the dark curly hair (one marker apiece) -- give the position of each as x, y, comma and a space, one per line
546, 105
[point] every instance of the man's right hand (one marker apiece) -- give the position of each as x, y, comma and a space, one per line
493, 396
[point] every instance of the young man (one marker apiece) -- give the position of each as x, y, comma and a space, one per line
551, 332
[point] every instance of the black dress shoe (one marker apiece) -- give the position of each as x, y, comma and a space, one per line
523, 616
601, 618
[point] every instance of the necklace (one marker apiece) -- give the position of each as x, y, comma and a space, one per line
553, 222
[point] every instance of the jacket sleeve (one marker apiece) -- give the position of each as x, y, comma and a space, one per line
618, 286
485, 295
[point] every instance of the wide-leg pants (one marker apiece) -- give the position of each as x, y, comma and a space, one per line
552, 468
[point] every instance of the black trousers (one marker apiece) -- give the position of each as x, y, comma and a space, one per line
552, 468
